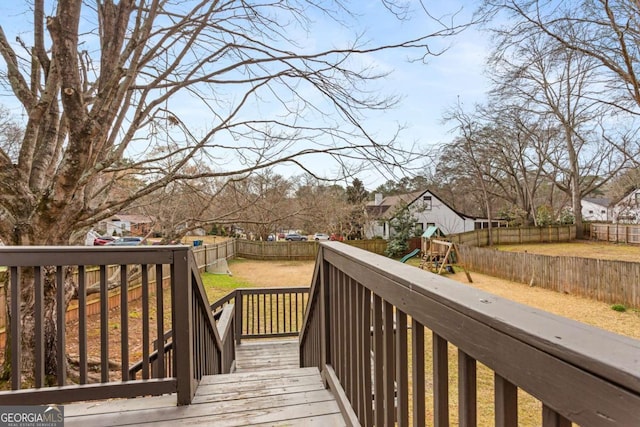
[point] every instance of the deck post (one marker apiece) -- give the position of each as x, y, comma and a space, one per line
325, 328
182, 315
237, 301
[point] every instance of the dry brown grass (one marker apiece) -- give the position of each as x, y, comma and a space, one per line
584, 310
582, 248
271, 274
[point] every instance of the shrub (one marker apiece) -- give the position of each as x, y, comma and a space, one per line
619, 307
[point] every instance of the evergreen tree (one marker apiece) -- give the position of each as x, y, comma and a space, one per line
402, 225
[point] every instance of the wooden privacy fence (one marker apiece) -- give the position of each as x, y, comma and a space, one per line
287, 250
208, 254
377, 246
509, 236
617, 233
305, 250
613, 282
382, 334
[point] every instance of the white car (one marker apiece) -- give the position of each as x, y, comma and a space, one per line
320, 236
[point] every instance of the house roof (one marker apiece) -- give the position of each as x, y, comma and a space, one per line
388, 204
600, 201
626, 195
460, 214
387, 207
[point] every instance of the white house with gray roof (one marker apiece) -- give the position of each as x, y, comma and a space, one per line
427, 208
596, 209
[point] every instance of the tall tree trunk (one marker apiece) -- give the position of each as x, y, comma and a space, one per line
576, 202
574, 188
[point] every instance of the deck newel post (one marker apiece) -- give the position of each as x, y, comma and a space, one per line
237, 301
325, 330
182, 326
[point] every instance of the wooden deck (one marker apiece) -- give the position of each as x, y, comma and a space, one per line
262, 355
268, 388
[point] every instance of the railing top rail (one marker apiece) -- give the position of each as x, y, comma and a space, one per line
573, 342
29, 256
312, 290
202, 300
273, 290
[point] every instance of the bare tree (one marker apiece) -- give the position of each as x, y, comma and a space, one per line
10, 135
259, 203
182, 206
608, 32
101, 84
322, 206
472, 151
565, 88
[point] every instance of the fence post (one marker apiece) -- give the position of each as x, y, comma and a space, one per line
181, 317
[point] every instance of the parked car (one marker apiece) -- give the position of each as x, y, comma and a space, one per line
126, 241
103, 240
321, 236
295, 237
271, 238
336, 237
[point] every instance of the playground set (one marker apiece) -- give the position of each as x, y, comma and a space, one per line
438, 256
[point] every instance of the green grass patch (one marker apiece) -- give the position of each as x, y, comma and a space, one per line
619, 307
220, 285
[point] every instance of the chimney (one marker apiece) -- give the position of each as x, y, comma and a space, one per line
378, 199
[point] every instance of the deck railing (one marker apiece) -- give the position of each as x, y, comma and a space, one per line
177, 303
369, 323
269, 312
243, 313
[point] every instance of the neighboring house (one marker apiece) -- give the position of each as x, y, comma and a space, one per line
428, 210
135, 225
627, 209
596, 209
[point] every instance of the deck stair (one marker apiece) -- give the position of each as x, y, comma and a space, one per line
268, 388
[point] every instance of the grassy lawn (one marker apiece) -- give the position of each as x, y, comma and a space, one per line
258, 274
219, 285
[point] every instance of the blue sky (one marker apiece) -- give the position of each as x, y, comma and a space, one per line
427, 90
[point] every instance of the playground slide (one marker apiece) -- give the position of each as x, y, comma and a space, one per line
410, 255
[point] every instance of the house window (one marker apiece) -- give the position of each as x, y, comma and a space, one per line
603, 211
418, 227
590, 212
426, 201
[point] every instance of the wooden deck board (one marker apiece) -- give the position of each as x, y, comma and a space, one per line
283, 394
259, 355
